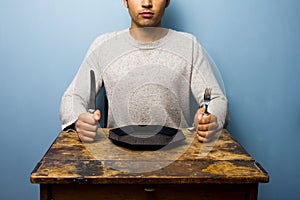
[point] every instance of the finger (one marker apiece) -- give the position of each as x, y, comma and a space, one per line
90, 120
89, 134
203, 127
206, 127
202, 110
208, 135
202, 133
198, 115
202, 139
87, 118
205, 119
208, 119
83, 126
97, 115
84, 138
213, 126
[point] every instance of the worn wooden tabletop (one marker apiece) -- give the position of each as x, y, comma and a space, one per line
69, 161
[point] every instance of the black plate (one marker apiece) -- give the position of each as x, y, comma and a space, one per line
149, 137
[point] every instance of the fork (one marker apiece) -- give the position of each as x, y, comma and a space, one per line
207, 98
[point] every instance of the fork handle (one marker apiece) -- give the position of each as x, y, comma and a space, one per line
206, 108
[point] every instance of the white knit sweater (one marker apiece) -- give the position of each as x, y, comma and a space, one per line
146, 82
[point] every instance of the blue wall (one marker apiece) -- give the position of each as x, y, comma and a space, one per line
255, 43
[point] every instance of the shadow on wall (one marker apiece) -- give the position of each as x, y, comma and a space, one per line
172, 14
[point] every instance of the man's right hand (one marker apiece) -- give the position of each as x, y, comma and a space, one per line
86, 126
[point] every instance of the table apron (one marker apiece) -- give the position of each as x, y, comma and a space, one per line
153, 192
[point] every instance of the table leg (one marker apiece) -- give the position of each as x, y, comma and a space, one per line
45, 192
252, 192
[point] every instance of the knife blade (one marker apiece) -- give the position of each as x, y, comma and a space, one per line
92, 103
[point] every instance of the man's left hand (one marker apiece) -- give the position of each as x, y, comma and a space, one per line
206, 125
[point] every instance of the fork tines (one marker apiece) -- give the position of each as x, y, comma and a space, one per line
207, 94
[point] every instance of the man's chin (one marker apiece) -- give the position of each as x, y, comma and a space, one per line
148, 23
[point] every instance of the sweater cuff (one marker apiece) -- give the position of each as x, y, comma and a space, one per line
69, 127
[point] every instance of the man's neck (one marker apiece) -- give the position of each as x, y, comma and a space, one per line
148, 34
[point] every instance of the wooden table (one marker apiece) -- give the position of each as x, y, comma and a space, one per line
221, 169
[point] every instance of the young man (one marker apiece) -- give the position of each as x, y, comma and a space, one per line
149, 73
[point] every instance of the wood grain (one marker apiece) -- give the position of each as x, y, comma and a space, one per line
69, 161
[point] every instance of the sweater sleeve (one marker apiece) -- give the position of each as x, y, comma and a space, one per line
76, 98
203, 77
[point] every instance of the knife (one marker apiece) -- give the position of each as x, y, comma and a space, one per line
92, 103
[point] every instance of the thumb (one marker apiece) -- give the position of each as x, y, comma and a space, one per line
199, 114
201, 111
97, 115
